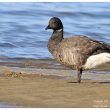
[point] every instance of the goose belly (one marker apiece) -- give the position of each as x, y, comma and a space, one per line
68, 57
100, 61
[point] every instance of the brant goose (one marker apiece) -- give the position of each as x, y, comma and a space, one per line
78, 52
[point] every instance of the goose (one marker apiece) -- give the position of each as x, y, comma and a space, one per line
78, 52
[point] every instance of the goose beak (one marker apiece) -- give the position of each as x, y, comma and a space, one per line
48, 27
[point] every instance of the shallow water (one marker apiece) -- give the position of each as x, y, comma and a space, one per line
6, 105
22, 25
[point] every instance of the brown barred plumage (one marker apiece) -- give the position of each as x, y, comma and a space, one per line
73, 52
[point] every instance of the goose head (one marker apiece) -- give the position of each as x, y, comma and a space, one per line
54, 24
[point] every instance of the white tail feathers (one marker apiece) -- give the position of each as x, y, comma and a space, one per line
99, 61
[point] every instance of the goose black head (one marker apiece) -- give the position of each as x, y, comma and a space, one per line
55, 24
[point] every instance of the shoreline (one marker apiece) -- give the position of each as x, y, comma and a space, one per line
7, 105
45, 84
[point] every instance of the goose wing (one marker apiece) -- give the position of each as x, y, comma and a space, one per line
73, 52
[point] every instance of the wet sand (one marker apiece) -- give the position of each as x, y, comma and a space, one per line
46, 86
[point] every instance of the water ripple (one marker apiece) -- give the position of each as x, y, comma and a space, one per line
22, 25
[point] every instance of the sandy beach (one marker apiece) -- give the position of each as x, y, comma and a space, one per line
44, 83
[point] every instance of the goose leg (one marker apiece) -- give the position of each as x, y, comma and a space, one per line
79, 74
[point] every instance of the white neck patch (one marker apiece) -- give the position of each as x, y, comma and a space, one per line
59, 30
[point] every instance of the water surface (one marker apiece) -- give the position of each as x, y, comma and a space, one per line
22, 25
